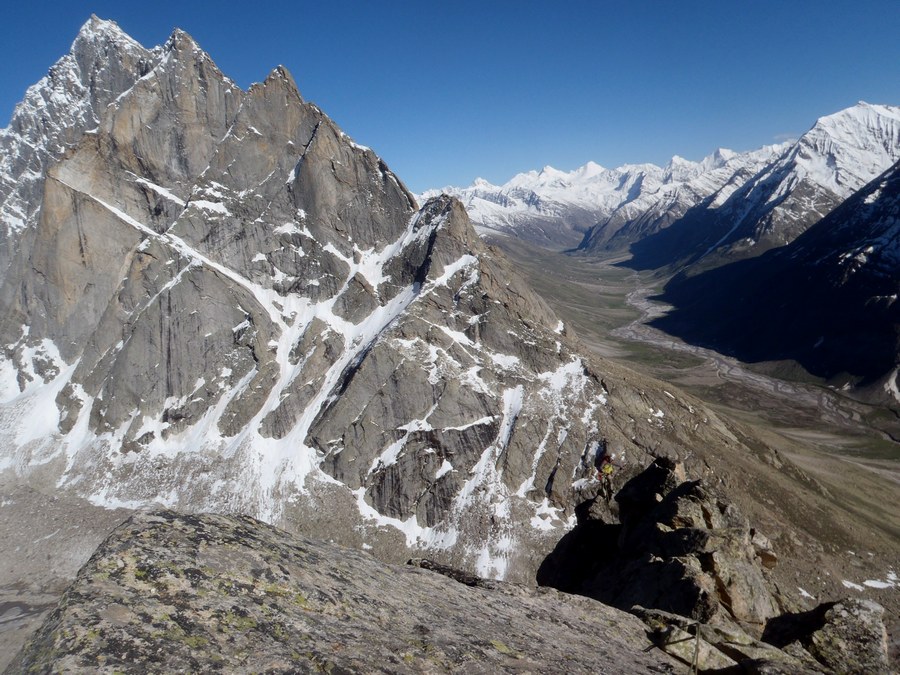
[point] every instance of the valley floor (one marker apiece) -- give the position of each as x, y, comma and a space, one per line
609, 305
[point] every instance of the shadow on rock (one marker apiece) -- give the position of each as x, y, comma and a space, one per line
675, 546
686, 561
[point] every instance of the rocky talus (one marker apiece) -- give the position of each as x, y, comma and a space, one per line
175, 593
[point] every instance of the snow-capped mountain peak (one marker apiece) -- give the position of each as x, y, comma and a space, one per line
56, 112
777, 193
840, 154
589, 169
554, 207
97, 30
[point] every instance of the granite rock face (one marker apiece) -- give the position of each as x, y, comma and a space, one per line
847, 636
174, 592
169, 592
221, 302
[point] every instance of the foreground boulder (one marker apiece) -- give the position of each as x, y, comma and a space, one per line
847, 636
168, 592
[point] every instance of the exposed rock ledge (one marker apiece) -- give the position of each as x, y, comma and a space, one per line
172, 593
168, 592
686, 561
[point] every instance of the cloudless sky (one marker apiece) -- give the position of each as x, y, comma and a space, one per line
449, 91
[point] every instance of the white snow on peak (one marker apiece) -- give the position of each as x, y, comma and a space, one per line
589, 169
844, 151
96, 30
838, 156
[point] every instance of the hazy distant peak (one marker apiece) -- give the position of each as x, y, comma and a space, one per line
718, 158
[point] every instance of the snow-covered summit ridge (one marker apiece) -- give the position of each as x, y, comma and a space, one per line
579, 185
755, 192
96, 30
849, 148
838, 156
550, 202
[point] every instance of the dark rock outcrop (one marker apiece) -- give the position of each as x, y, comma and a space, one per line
678, 547
847, 636
689, 565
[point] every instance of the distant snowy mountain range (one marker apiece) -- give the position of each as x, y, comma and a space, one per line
556, 208
729, 200
838, 156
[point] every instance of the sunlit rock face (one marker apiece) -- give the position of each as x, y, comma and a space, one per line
216, 300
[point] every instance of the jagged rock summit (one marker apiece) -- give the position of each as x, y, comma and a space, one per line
54, 115
216, 300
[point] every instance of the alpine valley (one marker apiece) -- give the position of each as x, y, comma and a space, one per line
693, 217
246, 374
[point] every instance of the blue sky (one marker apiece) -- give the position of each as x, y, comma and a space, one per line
449, 91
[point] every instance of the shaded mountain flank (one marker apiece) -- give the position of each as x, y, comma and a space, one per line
828, 300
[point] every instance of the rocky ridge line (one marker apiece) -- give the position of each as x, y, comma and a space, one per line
683, 558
